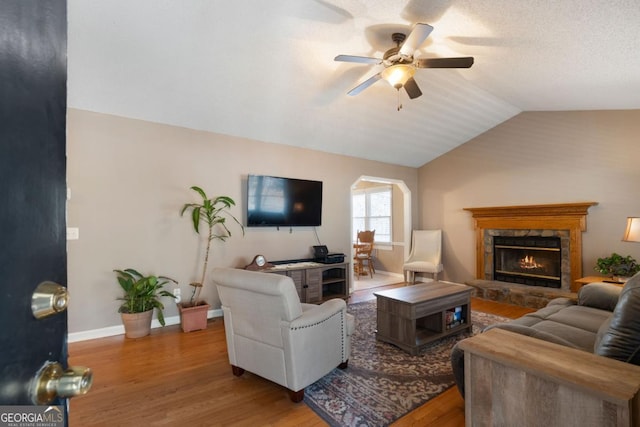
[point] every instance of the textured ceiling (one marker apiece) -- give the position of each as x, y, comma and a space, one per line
265, 70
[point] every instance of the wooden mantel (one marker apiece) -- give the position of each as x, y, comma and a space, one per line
565, 216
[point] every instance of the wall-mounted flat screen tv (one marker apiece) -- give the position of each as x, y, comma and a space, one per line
274, 201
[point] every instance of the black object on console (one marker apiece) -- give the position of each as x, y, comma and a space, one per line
321, 254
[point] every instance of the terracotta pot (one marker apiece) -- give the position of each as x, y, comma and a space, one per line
193, 318
137, 325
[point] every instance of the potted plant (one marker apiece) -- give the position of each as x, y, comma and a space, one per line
213, 212
618, 267
141, 295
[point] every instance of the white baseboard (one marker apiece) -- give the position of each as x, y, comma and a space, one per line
119, 330
389, 273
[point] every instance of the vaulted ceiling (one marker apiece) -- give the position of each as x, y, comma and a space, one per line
265, 70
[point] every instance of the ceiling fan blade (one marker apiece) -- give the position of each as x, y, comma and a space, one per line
358, 59
412, 88
362, 86
417, 36
463, 62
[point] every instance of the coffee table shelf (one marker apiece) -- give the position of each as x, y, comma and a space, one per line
413, 316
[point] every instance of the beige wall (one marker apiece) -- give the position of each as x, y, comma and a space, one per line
129, 179
538, 158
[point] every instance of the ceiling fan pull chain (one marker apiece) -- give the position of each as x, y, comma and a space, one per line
399, 104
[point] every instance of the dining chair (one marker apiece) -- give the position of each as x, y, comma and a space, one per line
363, 257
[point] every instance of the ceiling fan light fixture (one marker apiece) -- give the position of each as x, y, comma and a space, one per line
398, 74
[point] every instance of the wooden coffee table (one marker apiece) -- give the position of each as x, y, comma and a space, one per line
413, 316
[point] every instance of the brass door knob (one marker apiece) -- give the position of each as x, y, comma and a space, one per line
52, 382
49, 298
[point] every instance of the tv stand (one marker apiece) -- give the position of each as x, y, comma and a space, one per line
315, 282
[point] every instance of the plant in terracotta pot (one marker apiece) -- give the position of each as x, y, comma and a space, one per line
617, 266
141, 296
213, 213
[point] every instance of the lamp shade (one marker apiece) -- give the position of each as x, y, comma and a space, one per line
397, 75
632, 233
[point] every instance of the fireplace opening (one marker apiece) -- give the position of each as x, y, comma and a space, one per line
527, 260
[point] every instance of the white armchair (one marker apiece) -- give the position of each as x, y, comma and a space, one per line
272, 334
425, 255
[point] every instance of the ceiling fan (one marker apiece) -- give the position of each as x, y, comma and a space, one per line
400, 65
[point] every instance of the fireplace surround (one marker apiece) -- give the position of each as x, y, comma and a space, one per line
565, 221
528, 260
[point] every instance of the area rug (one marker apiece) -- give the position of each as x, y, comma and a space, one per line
382, 382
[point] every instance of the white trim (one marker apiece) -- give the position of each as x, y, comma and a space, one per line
389, 273
119, 330
384, 246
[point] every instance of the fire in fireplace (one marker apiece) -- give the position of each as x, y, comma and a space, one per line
528, 260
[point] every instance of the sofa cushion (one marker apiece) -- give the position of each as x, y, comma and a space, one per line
580, 338
585, 318
552, 308
621, 340
573, 325
533, 333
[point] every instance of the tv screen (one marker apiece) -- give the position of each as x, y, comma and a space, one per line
276, 201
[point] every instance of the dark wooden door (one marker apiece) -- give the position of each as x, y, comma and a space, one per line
33, 87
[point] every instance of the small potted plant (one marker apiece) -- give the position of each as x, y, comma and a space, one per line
617, 266
213, 212
141, 296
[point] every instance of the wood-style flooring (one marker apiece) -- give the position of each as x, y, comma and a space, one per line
171, 378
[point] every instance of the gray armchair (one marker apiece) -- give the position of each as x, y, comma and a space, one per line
272, 334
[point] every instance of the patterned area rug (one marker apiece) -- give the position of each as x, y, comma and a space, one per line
382, 382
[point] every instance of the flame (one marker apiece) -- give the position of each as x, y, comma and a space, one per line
528, 263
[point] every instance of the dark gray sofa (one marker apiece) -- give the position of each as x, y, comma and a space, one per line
604, 320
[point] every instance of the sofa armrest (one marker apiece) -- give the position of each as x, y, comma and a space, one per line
515, 377
599, 295
457, 354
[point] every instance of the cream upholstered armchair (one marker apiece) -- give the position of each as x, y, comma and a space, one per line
272, 334
425, 255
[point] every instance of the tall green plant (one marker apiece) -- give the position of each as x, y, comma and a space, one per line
142, 293
213, 213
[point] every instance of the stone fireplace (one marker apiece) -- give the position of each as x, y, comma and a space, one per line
514, 258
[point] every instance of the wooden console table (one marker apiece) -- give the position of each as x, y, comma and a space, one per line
592, 279
316, 282
516, 380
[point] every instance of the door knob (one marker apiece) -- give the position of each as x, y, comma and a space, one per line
49, 298
52, 381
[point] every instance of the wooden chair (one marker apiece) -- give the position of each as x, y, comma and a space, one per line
363, 258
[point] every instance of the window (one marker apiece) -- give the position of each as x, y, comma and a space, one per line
372, 211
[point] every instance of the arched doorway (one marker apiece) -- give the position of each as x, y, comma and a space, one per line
394, 249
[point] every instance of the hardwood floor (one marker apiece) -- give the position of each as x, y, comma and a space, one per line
171, 378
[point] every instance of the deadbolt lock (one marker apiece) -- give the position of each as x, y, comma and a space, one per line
49, 298
52, 382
